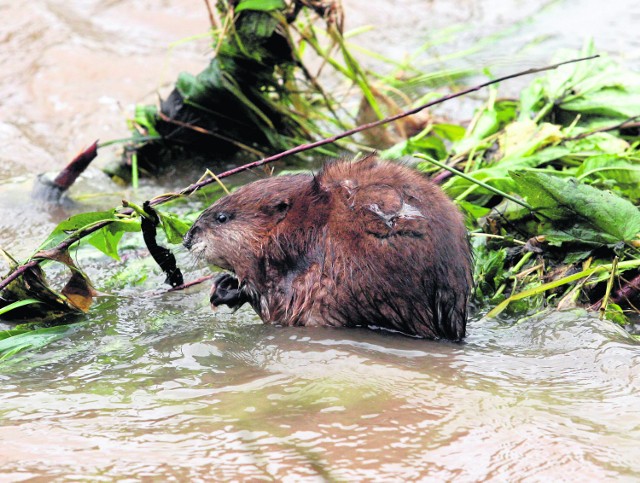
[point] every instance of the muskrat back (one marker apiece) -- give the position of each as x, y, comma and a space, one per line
364, 243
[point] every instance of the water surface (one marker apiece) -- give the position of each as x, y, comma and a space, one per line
154, 386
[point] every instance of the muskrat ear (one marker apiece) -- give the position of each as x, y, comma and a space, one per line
278, 209
283, 206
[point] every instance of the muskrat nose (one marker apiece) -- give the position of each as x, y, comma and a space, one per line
188, 240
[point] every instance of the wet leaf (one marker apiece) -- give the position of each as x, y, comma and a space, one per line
75, 298
583, 207
20, 339
107, 239
78, 293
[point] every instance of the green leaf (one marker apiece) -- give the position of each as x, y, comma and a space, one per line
146, 116
475, 211
497, 175
73, 224
568, 203
524, 138
601, 142
260, 5
531, 99
431, 145
17, 340
15, 305
452, 132
608, 166
488, 267
107, 239
607, 101
487, 124
173, 227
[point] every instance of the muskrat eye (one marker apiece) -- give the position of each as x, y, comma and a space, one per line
222, 217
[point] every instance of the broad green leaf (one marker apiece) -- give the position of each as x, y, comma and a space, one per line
607, 101
452, 132
107, 239
610, 166
601, 142
475, 211
567, 201
430, 145
584, 235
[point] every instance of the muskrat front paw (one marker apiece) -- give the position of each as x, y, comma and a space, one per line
226, 291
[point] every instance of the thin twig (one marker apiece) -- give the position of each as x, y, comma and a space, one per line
212, 19
191, 283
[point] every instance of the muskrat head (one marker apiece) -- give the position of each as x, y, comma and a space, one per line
232, 232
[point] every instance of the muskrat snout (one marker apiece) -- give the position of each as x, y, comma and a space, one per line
188, 240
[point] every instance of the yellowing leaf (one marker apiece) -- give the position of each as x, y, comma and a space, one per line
522, 138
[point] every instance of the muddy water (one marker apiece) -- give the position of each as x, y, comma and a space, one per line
154, 387
147, 392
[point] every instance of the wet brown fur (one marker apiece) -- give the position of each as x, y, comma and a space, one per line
366, 243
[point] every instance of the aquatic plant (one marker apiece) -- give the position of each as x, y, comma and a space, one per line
550, 186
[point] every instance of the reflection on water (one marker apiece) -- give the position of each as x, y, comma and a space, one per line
148, 391
159, 388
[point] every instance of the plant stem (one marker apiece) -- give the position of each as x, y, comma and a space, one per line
557, 283
607, 294
471, 179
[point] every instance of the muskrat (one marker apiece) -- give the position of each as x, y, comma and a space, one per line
363, 243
